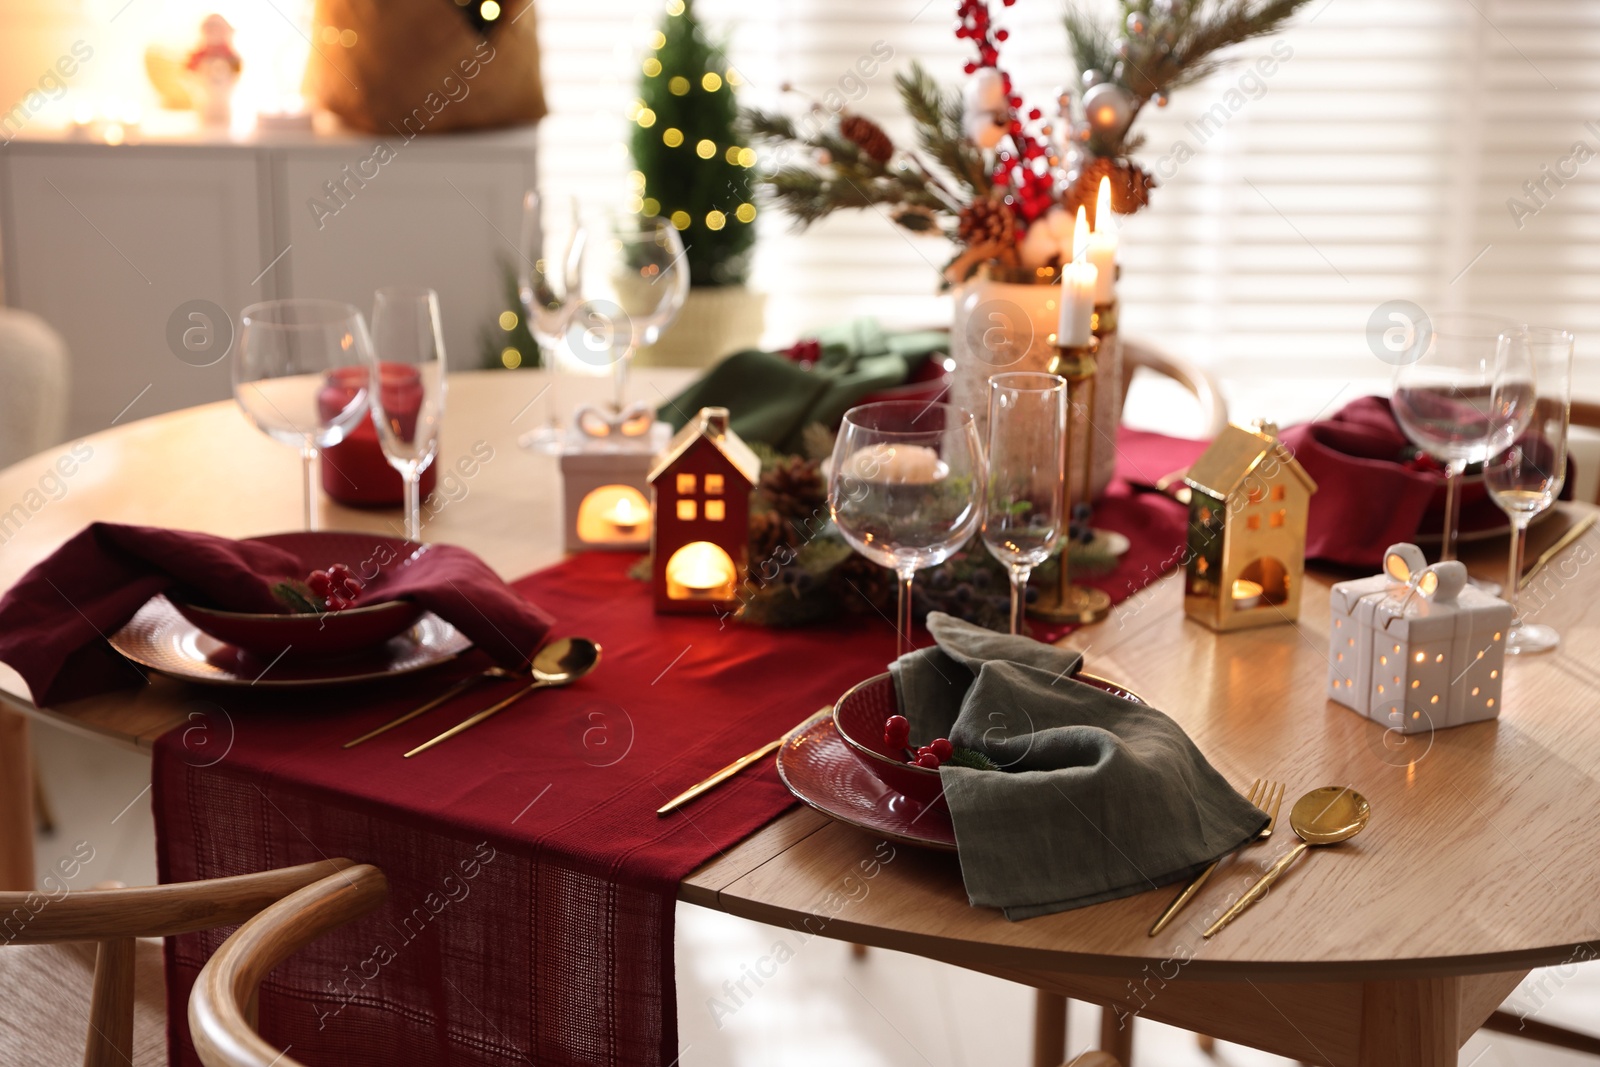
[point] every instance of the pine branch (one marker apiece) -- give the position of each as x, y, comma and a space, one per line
1089, 41
937, 117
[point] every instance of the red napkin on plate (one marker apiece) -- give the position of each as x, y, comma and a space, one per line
54, 620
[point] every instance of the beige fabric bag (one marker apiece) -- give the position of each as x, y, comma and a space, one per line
417, 66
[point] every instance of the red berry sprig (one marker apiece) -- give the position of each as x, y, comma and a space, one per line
1030, 186
338, 587
897, 734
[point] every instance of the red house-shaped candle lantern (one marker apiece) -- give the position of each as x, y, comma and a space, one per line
700, 490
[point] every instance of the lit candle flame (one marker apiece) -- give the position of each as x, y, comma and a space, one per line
701, 567
1246, 592
1104, 221
625, 515
1080, 236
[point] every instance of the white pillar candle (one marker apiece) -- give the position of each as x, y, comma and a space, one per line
1103, 246
1078, 279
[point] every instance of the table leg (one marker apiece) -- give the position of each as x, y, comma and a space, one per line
16, 803
1410, 1024
1049, 1029
1116, 1035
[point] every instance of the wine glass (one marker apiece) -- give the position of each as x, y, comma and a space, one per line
1445, 403
549, 285
904, 487
1527, 477
287, 348
408, 387
635, 280
1024, 503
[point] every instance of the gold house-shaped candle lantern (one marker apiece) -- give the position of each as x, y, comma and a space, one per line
700, 489
1248, 499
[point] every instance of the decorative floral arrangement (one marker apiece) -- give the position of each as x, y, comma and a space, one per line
803, 571
1004, 181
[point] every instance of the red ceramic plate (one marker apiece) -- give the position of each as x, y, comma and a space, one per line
855, 780
326, 636
820, 769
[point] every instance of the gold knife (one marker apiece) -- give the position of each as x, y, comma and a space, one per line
732, 769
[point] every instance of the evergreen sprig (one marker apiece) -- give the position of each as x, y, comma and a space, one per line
936, 115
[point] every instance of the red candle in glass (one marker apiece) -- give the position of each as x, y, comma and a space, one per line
354, 471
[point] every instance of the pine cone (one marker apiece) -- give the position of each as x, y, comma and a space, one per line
857, 577
868, 136
987, 221
1130, 186
793, 488
768, 530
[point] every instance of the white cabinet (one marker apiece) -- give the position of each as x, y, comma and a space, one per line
106, 242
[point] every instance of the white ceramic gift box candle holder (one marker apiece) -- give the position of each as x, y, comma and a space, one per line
605, 478
1417, 648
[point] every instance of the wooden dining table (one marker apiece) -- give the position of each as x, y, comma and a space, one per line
1480, 862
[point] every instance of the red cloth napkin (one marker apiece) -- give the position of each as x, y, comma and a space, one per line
53, 622
532, 886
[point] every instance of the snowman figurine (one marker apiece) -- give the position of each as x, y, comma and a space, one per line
215, 65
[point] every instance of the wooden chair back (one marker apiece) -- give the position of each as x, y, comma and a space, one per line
114, 918
222, 1005
1192, 376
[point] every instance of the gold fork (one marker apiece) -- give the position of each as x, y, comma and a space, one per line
1264, 794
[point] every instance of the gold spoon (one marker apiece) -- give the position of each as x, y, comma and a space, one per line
449, 694
1323, 816
558, 663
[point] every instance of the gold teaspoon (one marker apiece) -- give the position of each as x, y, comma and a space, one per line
1323, 816
558, 663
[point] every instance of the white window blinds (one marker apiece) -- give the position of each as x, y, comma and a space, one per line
1365, 155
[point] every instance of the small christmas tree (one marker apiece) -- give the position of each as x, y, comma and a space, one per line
695, 171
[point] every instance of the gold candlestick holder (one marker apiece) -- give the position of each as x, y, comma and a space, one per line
1065, 602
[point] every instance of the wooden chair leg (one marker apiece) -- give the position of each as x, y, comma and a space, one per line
110, 1041
1116, 1035
16, 803
1503, 1022
44, 814
1049, 1029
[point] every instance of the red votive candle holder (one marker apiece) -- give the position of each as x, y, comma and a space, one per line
354, 471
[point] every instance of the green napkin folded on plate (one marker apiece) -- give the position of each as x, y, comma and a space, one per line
771, 399
1098, 798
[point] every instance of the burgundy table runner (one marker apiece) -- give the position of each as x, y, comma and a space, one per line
532, 886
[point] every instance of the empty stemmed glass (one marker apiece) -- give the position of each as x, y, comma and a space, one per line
550, 287
635, 280
1527, 477
287, 348
1024, 502
408, 387
1446, 403
905, 485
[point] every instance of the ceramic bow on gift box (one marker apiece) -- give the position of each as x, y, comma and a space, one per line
1417, 648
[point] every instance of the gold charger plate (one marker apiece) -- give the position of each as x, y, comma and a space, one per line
159, 638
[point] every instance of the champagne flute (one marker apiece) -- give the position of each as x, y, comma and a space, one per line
287, 349
1445, 403
1026, 483
905, 488
1527, 477
408, 387
635, 280
550, 285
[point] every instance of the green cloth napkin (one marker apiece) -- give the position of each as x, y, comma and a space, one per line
1098, 798
771, 399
